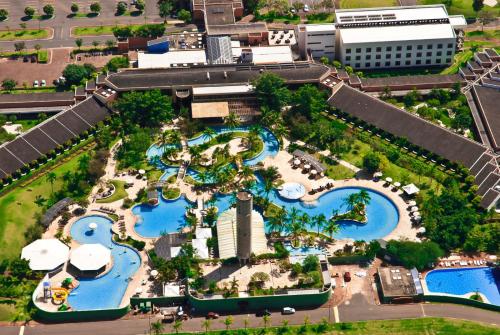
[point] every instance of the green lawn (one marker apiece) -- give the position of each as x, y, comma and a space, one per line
120, 192
98, 30
463, 7
367, 3
7, 311
28, 124
459, 60
375, 327
17, 209
320, 18
25, 34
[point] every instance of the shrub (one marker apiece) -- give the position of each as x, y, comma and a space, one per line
29, 11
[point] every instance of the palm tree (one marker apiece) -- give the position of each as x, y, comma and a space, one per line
351, 200
232, 120
157, 327
234, 285
266, 319
51, 178
278, 220
280, 131
228, 322
177, 326
195, 152
39, 200
245, 172
319, 221
207, 323
331, 227
246, 323
209, 132
170, 152
305, 220
295, 226
364, 197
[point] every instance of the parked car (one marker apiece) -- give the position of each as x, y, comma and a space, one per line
35, 83
288, 310
212, 315
264, 312
306, 8
25, 59
347, 277
43, 83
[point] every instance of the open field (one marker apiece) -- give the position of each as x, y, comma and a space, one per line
18, 209
25, 34
344, 4
461, 7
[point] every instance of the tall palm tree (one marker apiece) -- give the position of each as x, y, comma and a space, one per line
319, 221
277, 221
207, 323
232, 120
170, 152
157, 327
39, 200
364, 197
209, 132
195, 152
51, 178
177, 326
245, 172
305, 220
331, 227
295, 226
280, 131
351, 200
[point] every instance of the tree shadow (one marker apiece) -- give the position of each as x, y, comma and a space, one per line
26, 18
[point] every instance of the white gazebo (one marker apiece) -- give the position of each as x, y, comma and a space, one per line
45, 254
411, 189
90, 257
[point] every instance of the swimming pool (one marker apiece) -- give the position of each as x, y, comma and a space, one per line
107, 291
166, 217
304, 251
465, 281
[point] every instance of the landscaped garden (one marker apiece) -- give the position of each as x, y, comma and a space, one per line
23, 34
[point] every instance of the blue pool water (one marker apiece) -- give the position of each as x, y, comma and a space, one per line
304, 251
166, 217
106, 291
464, 281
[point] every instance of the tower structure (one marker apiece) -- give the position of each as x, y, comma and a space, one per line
244, 208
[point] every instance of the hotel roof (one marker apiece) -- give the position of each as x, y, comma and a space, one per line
321, 27
168, 59
487, 100
396, 33
65, 97
411, 80
405, 13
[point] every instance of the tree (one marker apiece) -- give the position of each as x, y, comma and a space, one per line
411, 98
37, 48
484, 238
184, 15
95, 43
371, 162
232, 120
19, 46
51, 178
349, 70
485, 17
310, 263
48, 10
319, 221
145, 109
266, 319
39, 200
277, 221
116, 63
415, 254
157, 327
271, 91
364, 197
209, 132
75, 74
228, 321
29, 11
309, 101
74, 8
3, 14
79, 43
477, 5
140, 5
95, 7
331, 227
9, 84
110, 44
206, 324
177, 325
121, 8
165, 8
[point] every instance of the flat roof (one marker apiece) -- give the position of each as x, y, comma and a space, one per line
397, 282
201, 110
396, 33
167, 59
233, 89
237, 28
68, 97
458, 21
411, 80
319, 27
267, 55
402, 13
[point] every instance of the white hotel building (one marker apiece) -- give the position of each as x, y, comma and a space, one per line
389, 37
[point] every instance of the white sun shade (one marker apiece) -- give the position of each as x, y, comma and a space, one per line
45, 254
90, 257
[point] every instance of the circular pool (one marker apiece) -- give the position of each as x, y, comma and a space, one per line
292, 191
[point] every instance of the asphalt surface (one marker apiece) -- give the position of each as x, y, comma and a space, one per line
356, 310
62, 25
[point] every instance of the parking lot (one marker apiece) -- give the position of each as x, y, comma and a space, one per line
27, 72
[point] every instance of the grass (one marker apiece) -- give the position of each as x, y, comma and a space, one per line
18, 210
171, 192
463, 7
30, 90
28, 124
367, 3
99, 30
320, 18
459, 60
381, 327
337, 172
43, 56
25, 34
7, 311
120, 192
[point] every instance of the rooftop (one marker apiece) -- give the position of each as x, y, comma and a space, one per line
397, 282
267, 55
213, 109
487, 100
237, 28
172, 58
397, 33
403, 13
320, 27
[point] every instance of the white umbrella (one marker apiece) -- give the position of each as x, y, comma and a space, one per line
417, 218
421, 230
388, 179
378, 174
412, 203
410, 189
397, 184
138, 290
307, 166
90, 257
142, 171
415, 214
45, 254
92, 226
414, 209
154, 273
296, 162
314, 172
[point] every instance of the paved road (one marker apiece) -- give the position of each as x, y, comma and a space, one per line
62, 25
356, 310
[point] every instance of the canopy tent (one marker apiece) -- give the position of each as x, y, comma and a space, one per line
45, 254
90, 257
411, 189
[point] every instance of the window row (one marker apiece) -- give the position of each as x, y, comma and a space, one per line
400, 48
398, 55
398, 63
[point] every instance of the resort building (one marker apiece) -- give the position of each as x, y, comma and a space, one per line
240, 230
398, 285
316, 40
395, 37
